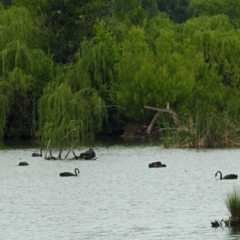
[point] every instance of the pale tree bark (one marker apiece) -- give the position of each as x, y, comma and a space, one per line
51, 157
160, 111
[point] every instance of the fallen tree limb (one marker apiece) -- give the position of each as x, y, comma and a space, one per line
159, 112
152, 123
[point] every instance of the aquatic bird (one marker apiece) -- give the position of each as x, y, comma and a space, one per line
68, 174
156, 165
37, 154
23, 164
216, 224
229, 176
88, 155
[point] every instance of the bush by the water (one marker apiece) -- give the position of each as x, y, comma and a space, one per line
233, 205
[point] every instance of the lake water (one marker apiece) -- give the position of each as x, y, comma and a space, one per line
117, 196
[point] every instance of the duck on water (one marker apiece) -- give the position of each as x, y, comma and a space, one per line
23, 164
156, 165
229, 176
69, 174
37, 154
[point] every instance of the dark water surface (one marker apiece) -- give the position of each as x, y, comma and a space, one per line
117, 196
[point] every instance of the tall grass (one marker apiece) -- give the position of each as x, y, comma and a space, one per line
208, 131
233, 203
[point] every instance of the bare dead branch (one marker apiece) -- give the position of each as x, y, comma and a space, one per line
60, 152
76, 157
152, 122
71, 149
47, 149
163, 110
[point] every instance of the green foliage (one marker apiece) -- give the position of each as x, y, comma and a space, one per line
5, 3
151, 76
99, 58
150, 6
5, 106
66, 23
205, 7
178, 10
214, 7
115, 57
217, 72
123, 7
21, 66
136, 17
80, 106
232, 203
208, 131
215, 131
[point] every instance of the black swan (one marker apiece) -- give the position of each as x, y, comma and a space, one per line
156, 165
37, 154
90, 154
23, 164
229, 176
68, 174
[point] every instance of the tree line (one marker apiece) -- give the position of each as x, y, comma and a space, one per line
95, 64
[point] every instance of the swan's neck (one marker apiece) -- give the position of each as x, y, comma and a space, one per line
220, 174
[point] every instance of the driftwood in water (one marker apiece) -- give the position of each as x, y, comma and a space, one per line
60, 152
159, 112
51, 157
71, 149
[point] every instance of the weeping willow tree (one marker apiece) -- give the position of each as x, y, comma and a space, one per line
69, 101
79, 94
22, 67
99, 57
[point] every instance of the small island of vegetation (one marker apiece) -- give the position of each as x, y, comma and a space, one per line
232, 203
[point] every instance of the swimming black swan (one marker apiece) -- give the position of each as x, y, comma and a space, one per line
229, 176
90, 154
68, 174
37, 154
156, 165
23, 164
